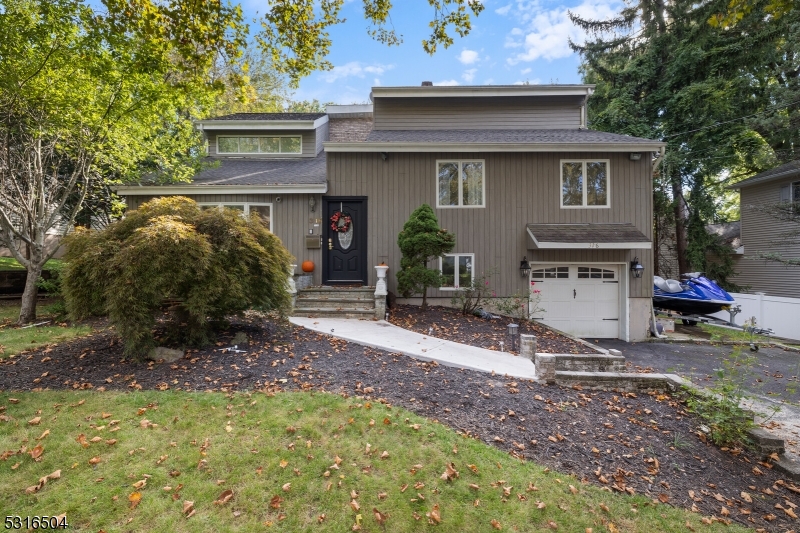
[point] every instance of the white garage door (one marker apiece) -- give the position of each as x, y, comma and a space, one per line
579, 299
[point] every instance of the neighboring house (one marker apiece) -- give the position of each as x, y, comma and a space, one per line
511, 170
762, 233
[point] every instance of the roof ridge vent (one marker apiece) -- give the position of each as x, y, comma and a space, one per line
427, 84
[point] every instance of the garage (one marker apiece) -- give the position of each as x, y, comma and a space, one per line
580, 299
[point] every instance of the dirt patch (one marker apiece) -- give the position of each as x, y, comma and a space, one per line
450, 324
626, 443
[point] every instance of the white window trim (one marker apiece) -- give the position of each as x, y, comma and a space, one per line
216, 141
455, 280
585, 192
246, 211
459, 162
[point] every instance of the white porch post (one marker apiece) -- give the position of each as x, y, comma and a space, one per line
291, 288
381, 292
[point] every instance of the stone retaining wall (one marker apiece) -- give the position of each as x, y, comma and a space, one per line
589, 363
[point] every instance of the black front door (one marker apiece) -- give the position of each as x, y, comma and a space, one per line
344, 240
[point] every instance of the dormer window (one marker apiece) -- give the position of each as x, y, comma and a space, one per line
259, 144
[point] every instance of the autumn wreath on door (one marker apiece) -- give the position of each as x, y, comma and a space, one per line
341, 222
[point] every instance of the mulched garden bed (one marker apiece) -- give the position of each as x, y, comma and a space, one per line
450, 324
638, 444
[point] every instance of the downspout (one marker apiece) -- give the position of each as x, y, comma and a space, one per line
653, 326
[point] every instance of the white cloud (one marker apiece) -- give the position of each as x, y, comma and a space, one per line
376, 82
548, 32
503, 10
447, 82
525, 71
468, 57
469, 75
354, 68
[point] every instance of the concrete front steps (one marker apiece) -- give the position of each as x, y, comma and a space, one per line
338, 302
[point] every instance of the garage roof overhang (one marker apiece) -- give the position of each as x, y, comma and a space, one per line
587, 236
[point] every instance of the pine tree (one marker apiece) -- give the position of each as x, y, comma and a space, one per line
725, 99
420, 241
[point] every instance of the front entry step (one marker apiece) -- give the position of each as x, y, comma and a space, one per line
347, 302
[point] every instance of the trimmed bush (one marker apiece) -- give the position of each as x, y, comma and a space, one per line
208, 264
421, 241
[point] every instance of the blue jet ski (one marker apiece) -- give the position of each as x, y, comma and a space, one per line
695, 294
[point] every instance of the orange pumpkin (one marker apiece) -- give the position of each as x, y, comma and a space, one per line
308, 266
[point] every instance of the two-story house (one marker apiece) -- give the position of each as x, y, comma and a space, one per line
762, 233
513, 171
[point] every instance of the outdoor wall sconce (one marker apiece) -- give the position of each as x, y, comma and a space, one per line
384, 156
312, 203
513, 334
636, 268
635, 156
524, 267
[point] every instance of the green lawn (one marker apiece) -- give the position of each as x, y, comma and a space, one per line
189, 462
14, 340
9, 263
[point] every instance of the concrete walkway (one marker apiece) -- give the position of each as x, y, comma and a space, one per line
385, 336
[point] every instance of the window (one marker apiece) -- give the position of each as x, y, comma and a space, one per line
542, 274
796, 192
259, 145
460, 184
263, 210
457, 270
595, 273
584, 184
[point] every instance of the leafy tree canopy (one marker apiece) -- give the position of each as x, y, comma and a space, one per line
295, 32
207, 263
88, 97
725, 98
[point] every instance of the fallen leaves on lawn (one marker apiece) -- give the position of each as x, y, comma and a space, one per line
42, 482
434, 517
134, 498
224, 498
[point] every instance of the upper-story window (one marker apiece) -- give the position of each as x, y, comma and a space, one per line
460, 184
584, 183
259, 145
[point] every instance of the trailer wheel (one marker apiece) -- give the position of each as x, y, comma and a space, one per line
687, 322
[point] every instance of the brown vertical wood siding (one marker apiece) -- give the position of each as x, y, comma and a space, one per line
520, 189
761, 232
310, 141
503, 113
290, 220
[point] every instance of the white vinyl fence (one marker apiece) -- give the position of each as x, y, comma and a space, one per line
782, 315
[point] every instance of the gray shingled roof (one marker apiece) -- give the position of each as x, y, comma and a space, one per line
782, 171
502, 136
300, 171
270, 116
585, 233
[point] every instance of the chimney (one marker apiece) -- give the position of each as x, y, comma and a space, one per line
427, 84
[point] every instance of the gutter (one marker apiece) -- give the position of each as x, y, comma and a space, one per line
169, 190
490, 147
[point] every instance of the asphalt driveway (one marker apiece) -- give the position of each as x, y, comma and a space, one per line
774, 373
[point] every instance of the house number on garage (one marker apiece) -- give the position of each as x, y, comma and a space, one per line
594, 245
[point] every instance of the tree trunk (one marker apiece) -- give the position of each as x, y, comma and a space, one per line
424, 298
680, 229
27, 313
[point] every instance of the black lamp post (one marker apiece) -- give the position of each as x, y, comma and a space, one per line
524, 267
636, 268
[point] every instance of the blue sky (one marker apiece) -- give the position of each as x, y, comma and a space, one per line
510, 42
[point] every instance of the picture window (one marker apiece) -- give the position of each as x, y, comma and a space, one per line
460, 184
458, 270
584, 183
